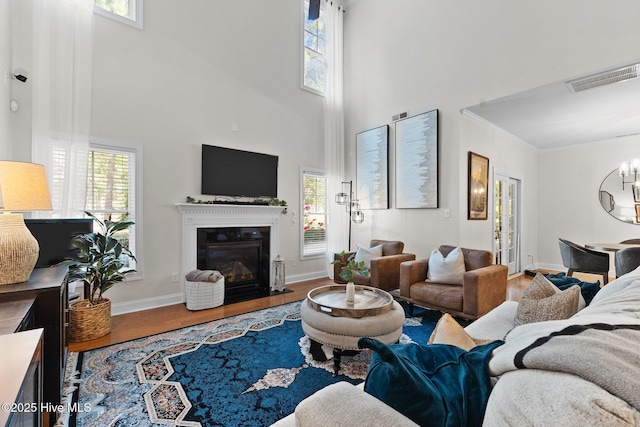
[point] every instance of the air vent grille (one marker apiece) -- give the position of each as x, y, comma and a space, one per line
399, 116
605, 78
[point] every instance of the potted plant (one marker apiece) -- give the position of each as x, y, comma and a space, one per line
351, 267
98, 264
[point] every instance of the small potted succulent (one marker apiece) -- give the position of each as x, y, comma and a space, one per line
98, 264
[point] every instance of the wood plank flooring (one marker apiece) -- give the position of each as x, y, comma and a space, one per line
140, 324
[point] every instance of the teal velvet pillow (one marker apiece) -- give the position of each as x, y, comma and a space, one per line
562, 281
434, 385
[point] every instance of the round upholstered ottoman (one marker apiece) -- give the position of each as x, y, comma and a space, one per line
343, 333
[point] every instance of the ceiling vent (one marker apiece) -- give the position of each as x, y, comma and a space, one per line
604, 78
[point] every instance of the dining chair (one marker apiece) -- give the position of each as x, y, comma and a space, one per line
626, 260
580, 259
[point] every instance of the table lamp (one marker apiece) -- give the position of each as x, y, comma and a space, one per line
23, 187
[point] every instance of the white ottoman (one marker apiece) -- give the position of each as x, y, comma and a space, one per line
343, 333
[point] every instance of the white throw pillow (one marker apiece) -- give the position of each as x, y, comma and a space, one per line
449, 270
366, 255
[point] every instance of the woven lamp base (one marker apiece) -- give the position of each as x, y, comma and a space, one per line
88, 322
18, 249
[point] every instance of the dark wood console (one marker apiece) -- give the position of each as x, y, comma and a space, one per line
44, 301
21, 373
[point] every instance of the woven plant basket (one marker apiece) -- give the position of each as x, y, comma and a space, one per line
88, 322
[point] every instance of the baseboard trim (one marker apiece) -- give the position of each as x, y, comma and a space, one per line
306, 276
146, 304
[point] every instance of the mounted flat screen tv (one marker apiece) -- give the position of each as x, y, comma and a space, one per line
54, 237
237, 173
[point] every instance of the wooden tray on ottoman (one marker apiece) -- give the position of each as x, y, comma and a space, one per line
332, 300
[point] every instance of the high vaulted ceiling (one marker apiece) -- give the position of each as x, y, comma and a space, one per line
593, 108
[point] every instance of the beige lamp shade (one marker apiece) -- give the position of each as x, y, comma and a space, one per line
23, 187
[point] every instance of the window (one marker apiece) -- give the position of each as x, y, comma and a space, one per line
125, 11
314, 214
314, 65
114, 191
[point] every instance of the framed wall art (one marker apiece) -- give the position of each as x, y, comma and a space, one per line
372, 168
417, 161
478, 187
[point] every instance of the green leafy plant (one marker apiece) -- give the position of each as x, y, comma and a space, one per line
98, 262
351, 268
277, 202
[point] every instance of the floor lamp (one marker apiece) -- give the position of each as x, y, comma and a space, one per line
23, 187
353, 206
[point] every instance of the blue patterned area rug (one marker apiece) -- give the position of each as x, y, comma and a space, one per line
248, 370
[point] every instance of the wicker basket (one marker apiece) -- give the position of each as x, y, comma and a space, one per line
87, 322
201, 295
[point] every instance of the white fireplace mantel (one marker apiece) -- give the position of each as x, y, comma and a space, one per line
195, 215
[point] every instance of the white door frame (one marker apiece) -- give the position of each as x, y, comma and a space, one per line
509, 255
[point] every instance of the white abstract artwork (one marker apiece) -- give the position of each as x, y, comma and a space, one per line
417, 161
372, 168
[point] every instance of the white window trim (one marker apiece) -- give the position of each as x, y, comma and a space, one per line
132, 147
135, 22
310, 171
302, 85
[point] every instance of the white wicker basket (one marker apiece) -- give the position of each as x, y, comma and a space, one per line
201, 295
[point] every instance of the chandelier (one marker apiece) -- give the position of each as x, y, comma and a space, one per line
627, 169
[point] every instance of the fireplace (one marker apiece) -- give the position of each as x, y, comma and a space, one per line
241, 254
244, 238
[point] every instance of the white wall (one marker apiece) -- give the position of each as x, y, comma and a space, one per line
508, 156
200, 66
417, 55
569, 206
197, 68
5, 78
21, 19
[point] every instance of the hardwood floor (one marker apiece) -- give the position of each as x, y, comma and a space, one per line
140, 324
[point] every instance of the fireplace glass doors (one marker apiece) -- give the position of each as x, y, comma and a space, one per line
241, 254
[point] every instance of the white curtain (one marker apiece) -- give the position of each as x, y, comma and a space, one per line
62, 77
338, 232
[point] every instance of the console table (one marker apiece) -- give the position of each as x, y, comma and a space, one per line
47, 289
21, 373
16, 316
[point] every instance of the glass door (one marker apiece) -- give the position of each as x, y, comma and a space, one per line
507, 222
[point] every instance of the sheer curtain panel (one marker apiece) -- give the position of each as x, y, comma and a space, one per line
337, 232
62, 77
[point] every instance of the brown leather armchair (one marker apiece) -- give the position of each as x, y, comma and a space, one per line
484, 285
385, 270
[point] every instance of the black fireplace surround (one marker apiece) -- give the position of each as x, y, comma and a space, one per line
241, 254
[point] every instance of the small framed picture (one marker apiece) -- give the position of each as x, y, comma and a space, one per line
478, 187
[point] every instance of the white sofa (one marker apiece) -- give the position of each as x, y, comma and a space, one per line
524, 396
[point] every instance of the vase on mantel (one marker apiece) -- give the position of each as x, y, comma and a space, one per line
351, 292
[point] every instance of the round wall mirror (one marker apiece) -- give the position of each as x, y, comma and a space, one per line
622, 204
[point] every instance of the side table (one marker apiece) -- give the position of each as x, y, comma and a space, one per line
328, 319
